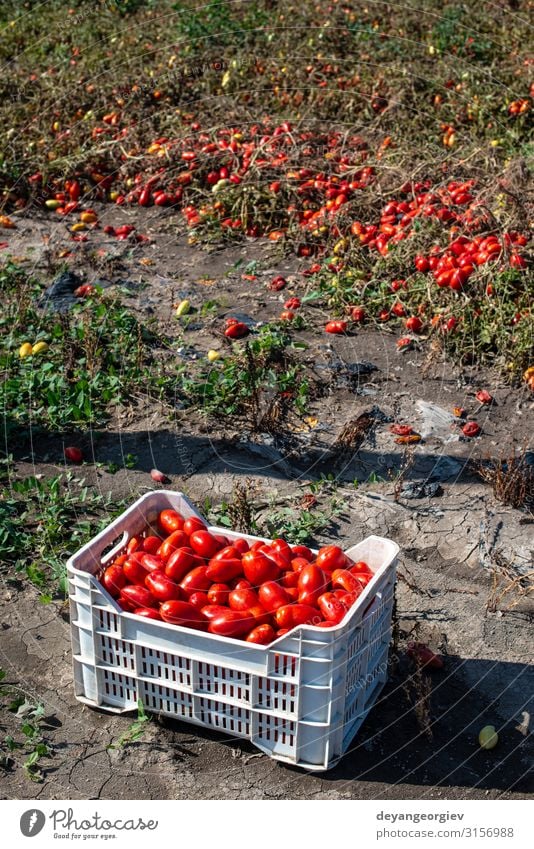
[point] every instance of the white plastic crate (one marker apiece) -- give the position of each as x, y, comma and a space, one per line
300, 700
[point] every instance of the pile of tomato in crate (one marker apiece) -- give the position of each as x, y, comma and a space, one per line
189, 576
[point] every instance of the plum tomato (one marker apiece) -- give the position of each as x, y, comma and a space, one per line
182, 613
204, 543
161, 587
194, 524
231, 623
114, 580
170, 520
258, 568
262, 635
138, 596
272, 596
291, 615
331, 557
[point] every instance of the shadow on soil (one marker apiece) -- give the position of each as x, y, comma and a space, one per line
392, 747
180, 455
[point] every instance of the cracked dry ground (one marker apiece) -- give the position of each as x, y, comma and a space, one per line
450, 590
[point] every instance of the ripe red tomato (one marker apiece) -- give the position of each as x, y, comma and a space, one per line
176, 540
74, 454
182, 613
170, 520
133, 545
471, 429
262, 635
336, 326
345, 580
222, 571
289, 579
421, 263
414, 324
193, 524
241, 545
218, 594
291, 615
237, 330
147, 613
138, 596
151, 544
210, 611
134, 572
358, 314
196, 581
199, 600
114, 580
231, 623
281, 547
299, 563
161, 587
302, 551
331, 557
272, 596
180, 563
152, 562
204, 543
258, 568
331, 607
312, 583
242, 599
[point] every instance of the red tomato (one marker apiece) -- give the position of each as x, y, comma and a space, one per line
312, 583
414, 324
210, 611
161, 587
134, 572
133, 545
281, 546
180, 563
139, 596
147, 613
182, 613
194, 524
331, 557
345, 580
152, 562
74, 454
176, 540
237, 330
471, 429
260, 615
336, 327
114, 580
262, 635
241, 584
222, 571
199, 600
258, 568
256, 545
231, 623
204, 543
170, 520
299, 563
289, 579
196, 581
241, 545
331, 607
242, 599
421, 263
218, 594
291, 615
151, 544
302, 551
360, 566
227, 553
272, 596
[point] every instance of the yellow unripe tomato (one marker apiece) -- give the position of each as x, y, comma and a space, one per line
39, 347
213, 355
183, 308
25, 350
